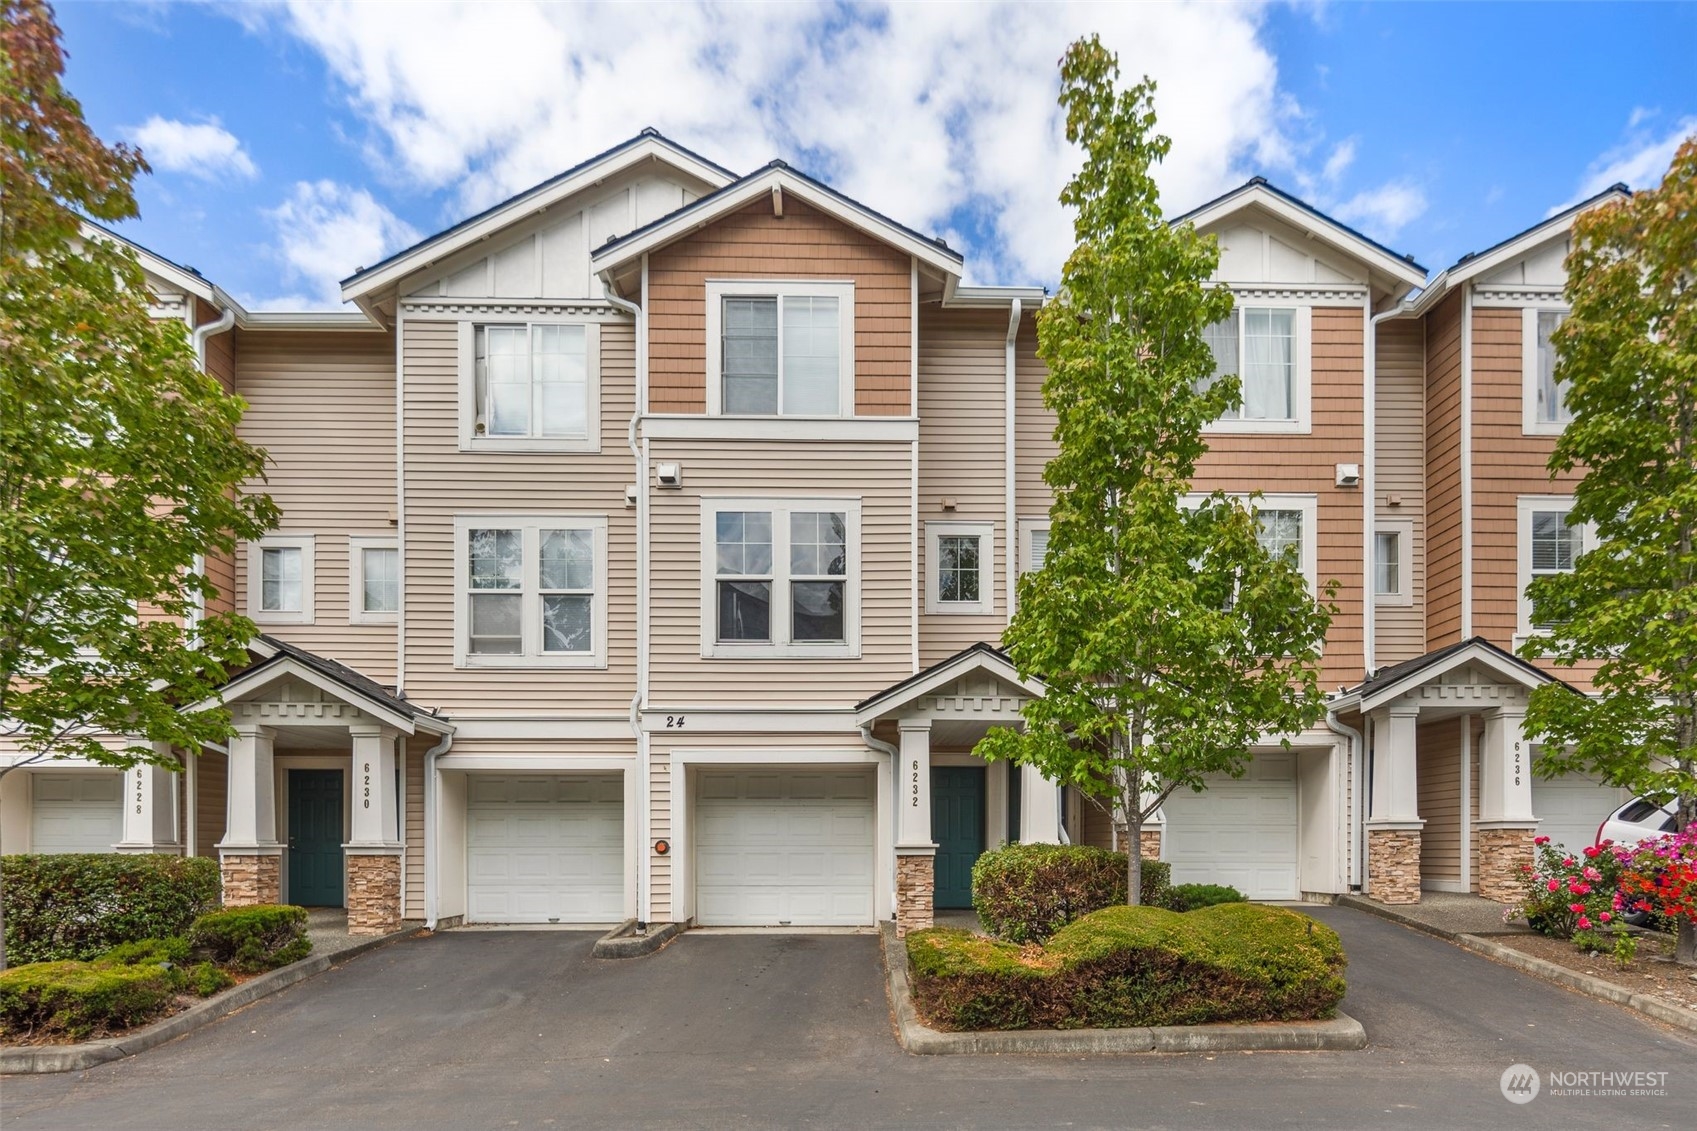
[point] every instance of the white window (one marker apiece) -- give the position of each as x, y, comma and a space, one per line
374, 579
780, 577
960, 567
1547, 543
1287, 523
280, 579
1033, 543
1267, 347
1393, 566
530, 386
531, 591
1545, 410
779, 348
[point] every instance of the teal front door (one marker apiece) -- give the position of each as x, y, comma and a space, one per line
315, 838
957, 825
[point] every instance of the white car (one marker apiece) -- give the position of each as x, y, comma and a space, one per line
1636, 820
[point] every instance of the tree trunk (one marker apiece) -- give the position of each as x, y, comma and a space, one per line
3, 773
1134, 855
1685, 943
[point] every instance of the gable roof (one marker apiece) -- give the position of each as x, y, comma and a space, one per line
780, 177
978, 657
278, 658
1387, 683
1299, 213
650, 143
185, 279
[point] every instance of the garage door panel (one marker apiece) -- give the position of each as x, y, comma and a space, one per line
1241, 832
545, 848
784, 847
76, 812
1570, 809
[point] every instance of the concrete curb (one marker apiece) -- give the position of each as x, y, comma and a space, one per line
1648, 1004
75, 1058
1397, 917
623, 941
1341, 1034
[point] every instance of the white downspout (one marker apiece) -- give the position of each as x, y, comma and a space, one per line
1467, 461
1011, 540
202, 333
639, 698
1354, 879
895, 758
913, 484
191, 780
432, 850
401, 505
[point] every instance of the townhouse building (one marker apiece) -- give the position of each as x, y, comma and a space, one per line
647, 540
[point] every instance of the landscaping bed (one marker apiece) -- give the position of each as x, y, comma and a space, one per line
1125, 967
1649, 972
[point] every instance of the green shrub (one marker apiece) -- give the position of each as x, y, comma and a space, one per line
1027, 892
1132, 966
80, 999
253, 939
80, 905
173, 950
1194, 897
174, 957
204, 979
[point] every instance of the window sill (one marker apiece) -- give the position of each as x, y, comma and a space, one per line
722, 651
537, 663
280, 618
941, 609
1393, 601
374, 618
530, 444
700, 425
1543, 428
1258, 427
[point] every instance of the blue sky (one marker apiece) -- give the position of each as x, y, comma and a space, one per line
293, 143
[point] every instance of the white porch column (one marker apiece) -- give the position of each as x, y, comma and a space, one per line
374, 802
1396, 790
1505, 768
1039, 808
150, 807
249, 855
913, 786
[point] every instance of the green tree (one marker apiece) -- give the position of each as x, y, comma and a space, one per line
1627, 359
120, 465
1168, 638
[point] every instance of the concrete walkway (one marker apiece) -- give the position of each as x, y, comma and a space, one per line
327, 927
1442, 913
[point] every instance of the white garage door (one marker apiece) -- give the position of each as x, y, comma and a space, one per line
545, 849
1240, 831
1569, 809
784, 848
79, 812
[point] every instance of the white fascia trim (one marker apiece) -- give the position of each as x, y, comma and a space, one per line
305, 320
1511, 674
511, 763
680, 721
697, 426
542, 728
154, 264
245, 685
975, 661
1338, 237
445, 245
995, 298
1523, 244
759, 187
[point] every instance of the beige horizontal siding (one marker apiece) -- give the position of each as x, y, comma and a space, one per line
1438, 749
880, 474
660, 828
1034, 426
211, 772
413, 823
323, 407
963, 457
1400, 470
443, 481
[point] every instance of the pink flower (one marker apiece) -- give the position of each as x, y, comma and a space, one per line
1584, 923
1568, 862
1591, 852
1605, 917
1576, 908
1579, 887
1592, 874
1540, 840
1555, 885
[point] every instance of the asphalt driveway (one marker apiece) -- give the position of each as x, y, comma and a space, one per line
525, 1029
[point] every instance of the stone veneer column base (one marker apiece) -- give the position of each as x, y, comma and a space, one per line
374, 893
1151, 845
250, 879
1504, 855
1393, 865
916, 880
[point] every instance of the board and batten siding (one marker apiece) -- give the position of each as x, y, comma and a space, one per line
1443, 473
878, 473
1438, 781
443, 482
802, 244
323, 408
1305, 465
1400, 470
963, 457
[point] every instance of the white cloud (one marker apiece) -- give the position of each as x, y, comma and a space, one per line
200, 149
1384, 211
1639, 162
1343, 156
325, 231
942, 115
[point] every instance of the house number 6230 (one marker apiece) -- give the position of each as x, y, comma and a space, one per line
365, 769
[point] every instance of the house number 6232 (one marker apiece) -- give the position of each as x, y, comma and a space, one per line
914, 801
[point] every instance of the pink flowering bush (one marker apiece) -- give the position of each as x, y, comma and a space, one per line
1567, 894
1660, 876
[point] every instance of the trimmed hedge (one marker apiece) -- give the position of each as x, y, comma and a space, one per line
1027, 892
174, 956
80, 999
253, 939
1192, 897
1133, 966
80, 905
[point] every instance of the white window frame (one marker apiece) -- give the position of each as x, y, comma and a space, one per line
469, 439
530, 524
1027, 527
1309, 505
1403, 529
358, 544
1530, 424
307, 545
1302, 373
1525, 507
720, 289
780, 646
985, 532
